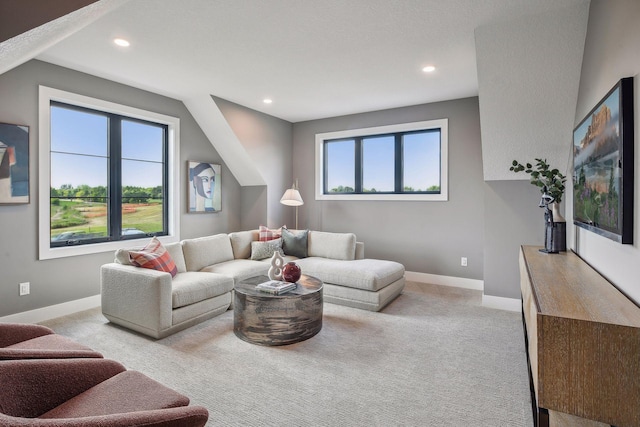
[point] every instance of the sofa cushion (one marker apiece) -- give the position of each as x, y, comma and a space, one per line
239, 269
332, 245
266, 234
262, 250
204, 251
192, 286
155, 257
295, 244
122, 256
241, 243
175, 250
366, 274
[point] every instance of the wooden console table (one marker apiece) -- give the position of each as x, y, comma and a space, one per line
583, 342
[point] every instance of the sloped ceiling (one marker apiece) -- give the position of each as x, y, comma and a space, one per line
65, 21
20, 16
528, 78
314, 59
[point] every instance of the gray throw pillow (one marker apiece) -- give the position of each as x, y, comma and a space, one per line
262, 250
295, 244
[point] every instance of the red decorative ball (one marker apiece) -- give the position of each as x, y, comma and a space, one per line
291, 272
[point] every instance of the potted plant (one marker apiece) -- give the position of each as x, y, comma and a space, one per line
551, 184
550, 181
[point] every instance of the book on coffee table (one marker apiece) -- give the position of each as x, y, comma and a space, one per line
275, 287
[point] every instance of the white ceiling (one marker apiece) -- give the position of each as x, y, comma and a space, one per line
315, 59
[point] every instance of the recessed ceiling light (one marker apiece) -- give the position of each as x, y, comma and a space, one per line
121, 42
429, 69
267, 101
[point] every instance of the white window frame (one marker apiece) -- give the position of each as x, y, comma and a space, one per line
441, 124
45, 96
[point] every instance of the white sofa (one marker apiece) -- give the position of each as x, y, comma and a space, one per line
153, 303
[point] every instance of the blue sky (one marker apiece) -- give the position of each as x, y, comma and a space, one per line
421, 162
79, 155
85, 136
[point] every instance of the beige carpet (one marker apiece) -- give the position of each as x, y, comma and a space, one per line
433, 357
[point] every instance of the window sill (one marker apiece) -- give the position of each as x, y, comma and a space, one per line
66, 251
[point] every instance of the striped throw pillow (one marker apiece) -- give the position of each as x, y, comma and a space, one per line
155, 257
267, 234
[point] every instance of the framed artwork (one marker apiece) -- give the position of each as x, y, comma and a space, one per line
205, 190
14, 164
603, 189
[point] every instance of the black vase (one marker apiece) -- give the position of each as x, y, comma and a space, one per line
555, 237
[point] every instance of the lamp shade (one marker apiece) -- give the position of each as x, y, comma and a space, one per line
292, 197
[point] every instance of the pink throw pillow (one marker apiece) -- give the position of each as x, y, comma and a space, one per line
267, 234
155, 257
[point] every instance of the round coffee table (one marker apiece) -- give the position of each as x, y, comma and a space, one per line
266, 319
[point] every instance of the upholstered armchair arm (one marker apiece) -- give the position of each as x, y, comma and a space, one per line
13, 333
140, 296
184, 416
21, 353
38, 386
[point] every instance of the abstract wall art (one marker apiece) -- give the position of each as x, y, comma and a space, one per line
14, 164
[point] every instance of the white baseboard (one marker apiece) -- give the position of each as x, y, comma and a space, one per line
509, 304
53, 311
435, 279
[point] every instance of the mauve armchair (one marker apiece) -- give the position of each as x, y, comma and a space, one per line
88, 392
27, 341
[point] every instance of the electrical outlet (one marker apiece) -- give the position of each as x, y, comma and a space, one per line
25, 288
463, 261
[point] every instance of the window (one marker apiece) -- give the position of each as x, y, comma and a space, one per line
107, 175
397, 162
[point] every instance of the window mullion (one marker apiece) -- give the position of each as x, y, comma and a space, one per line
115, 177
358, 168
398, 163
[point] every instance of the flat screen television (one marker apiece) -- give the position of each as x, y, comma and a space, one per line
603, 164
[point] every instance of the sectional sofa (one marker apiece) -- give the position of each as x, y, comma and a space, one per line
154, 303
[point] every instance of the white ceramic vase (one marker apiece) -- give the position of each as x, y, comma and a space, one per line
277, 262
557, 216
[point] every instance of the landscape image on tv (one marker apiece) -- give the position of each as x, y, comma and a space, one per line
596, 159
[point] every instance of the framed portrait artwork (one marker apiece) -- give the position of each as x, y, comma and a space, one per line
14, 164
205, 190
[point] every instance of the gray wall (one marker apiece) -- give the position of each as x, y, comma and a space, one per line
267, 140
68, 279
427, 237
611, 53
512, 218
